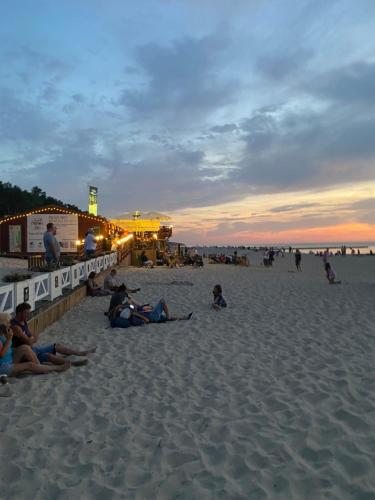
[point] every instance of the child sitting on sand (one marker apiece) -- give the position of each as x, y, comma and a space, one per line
331, 275
219, 301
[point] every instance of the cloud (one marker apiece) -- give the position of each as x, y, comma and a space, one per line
277, 66
366, 204
182, 80
32, 66
292, 208
353, 83
23, 120
223, 129
306, 148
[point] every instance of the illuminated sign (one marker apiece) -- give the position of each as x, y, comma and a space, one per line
93, 200
138, 225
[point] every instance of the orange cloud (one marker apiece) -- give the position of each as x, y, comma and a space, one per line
354, 232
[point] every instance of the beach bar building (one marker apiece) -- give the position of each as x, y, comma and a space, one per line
149, 235
22, 234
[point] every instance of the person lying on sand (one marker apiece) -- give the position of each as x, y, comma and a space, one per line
14, 361
46, 353
126, 315
219, 301
330, 274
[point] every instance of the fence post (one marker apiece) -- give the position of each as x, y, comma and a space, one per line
55, 289
74, 275
25, 292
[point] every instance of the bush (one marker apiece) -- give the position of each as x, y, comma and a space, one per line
14, 277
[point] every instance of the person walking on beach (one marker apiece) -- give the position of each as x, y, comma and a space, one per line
46, 353
326, 255
52, 247
330, 274
298, 259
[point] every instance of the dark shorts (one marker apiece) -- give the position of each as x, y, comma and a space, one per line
6, 368
43, 351
120, 323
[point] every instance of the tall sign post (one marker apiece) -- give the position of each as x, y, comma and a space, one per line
93, 200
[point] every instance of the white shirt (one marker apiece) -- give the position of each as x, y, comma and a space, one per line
90, 243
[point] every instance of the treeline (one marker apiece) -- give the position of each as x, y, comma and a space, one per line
14, 199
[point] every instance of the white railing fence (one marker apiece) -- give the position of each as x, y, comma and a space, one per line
49, 286
66, 274
41, 287
7, 298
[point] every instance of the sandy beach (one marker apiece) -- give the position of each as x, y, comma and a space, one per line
272, 398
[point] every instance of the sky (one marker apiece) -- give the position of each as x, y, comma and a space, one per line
246, 121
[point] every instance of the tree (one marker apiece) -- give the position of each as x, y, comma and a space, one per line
13, 199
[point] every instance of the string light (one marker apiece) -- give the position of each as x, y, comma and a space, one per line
57, 209
124, 240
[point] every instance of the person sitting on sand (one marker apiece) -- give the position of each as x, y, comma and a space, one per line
298, 258
128, 314
330, 274
46, 353
14, 361
144, 260
93, 289
110, 281
219, 301
120, 296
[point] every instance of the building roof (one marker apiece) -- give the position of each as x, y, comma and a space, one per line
57, 208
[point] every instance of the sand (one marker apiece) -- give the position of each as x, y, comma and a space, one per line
272, 398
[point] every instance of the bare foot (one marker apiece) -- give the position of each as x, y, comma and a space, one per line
64, 367
88, 351
79, 362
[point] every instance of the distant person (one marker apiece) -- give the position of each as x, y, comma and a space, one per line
298, 259
271, 256
89, 246
52, 247
93, 289
326, 255
330, 274
45, 353
219, 301
144, 260
14, 361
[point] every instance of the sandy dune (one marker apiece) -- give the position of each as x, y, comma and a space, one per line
272, 398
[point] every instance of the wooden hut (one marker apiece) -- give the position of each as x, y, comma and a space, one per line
22, 234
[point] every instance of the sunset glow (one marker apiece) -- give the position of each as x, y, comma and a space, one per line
246, 121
